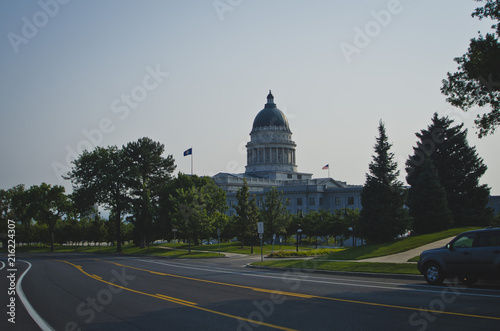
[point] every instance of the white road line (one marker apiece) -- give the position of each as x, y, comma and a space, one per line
306, 279
34, 315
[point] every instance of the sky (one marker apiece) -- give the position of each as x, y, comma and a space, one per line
79, 74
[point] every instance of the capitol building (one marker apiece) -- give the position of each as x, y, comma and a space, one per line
271, 162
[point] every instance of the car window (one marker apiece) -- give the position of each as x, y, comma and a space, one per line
488, 239
464, 241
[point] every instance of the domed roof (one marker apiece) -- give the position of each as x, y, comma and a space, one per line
270, 116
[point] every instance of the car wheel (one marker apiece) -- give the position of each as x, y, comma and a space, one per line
467, 280
433, 273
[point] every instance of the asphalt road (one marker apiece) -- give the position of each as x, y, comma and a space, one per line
97, 292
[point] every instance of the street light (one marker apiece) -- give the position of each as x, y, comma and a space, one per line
299, 230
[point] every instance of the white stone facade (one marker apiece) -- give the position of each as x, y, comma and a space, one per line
271, 162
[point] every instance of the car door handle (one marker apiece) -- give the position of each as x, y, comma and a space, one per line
496, 252
466, 253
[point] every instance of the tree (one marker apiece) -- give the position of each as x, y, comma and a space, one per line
100, 177
477, 81
243, 213
427, 202
383, 216
147, 173
194, 200
274, 213
459, 169
48, 204
190, 210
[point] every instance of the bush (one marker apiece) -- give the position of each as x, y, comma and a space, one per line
312, 252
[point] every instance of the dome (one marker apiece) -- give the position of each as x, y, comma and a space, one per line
270, 116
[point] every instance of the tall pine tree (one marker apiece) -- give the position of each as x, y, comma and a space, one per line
383, 216
427, 202
459, 169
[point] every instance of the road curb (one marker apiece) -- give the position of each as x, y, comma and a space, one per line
343, 273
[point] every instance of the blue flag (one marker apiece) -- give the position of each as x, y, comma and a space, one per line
188, 152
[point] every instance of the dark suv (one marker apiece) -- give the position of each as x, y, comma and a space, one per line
470, 255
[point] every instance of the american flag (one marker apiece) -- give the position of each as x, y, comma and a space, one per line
326, 167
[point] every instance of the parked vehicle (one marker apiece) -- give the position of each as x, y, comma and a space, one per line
469, 256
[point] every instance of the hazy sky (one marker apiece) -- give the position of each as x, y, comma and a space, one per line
76, 74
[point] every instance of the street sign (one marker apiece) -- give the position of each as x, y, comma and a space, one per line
260, 227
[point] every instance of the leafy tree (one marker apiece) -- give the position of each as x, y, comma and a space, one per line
427, 202
48, 204
274, 213
477, 81
243, 218
383, 216
148, 172
459, 169
100, 177
192, 199
190, 213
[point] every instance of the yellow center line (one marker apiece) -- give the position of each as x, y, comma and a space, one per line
177, 301
307, 296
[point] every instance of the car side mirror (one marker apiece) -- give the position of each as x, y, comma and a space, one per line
449, 247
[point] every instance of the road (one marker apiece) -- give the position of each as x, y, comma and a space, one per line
100, 292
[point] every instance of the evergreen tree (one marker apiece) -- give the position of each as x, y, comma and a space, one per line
427, 202
383, 216
459, 169
147, 173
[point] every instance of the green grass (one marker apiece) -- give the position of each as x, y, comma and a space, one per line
126, 249
311, 252
393, 247
372, 267
414, 259
235, 247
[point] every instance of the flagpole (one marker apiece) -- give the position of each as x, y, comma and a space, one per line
191, 161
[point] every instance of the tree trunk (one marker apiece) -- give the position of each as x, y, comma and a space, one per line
118, 232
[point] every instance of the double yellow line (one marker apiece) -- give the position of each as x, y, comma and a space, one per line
274, 292
171, 299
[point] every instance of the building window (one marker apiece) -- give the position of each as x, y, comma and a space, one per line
287, 201
299, 176
289, 176
299, 201
350, 201
321, 201
338, 202
312, 201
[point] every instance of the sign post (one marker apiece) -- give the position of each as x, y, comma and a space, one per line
260, 230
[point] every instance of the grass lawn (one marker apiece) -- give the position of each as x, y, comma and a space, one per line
235, 247
126, 249
372, 267
401, 245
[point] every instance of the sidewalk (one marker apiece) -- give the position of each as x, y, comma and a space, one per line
403, 257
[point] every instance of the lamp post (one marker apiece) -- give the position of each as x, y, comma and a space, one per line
299, 230
174, 230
